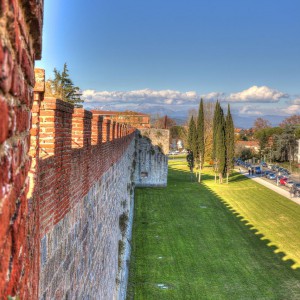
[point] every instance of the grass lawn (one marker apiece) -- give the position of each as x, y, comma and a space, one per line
189, 244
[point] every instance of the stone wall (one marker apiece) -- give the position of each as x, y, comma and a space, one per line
151, 164
20, 45
80, 255
158, 137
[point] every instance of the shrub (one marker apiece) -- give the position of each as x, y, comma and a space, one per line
123, 222
121, 248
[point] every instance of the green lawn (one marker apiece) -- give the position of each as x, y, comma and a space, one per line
189, 244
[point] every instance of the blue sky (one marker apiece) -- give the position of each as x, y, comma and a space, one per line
151, 55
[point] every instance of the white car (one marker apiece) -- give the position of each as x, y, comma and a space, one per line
289, 183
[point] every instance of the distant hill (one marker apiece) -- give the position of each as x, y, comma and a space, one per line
181, 116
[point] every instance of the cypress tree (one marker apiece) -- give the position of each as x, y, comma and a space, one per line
219, 147
215, 126
192, 136
229, 131
200, 138
200, 134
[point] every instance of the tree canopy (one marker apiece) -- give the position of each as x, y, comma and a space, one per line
292, 120
261, 123
163, 122
62, 87
220, 138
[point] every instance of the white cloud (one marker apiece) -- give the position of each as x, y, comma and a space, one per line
213, 96
296, 101
164, 97
262, 94
250, 111
254, 94
292, 109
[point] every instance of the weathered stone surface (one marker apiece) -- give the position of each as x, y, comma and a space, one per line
159, 137
151, 164
79, 256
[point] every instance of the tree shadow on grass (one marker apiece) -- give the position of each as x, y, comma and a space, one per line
247, 226
234, 177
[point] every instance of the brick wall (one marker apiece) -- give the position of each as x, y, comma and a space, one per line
20, 45
70, 162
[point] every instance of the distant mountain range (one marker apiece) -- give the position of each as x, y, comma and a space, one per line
180, 116
247, 121
239, 121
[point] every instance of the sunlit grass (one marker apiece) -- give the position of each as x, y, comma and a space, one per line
187, 244
272, 215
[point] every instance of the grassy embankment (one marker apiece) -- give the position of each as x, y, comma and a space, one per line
190, 241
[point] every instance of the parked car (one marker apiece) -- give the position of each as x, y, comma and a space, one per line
257, 170
266, 173
297, 186
271, 176
283, 180
289, 183
287, 175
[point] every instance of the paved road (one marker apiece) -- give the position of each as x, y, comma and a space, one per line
271, 186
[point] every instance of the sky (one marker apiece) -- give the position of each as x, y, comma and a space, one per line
163, 56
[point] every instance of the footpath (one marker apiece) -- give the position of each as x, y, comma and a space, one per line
271, 186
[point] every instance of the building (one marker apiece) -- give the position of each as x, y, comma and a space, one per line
252, 145
135, 119
237, 131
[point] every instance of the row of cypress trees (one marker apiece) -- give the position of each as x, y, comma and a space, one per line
223, 141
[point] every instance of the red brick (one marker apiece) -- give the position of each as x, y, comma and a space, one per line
27, 68
3, 120
6, 66
17, 82
2, 11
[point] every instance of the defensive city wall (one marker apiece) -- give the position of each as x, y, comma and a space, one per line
67, 179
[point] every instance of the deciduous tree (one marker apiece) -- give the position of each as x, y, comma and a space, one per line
292, 120
208, 129
261, 123
164, 122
